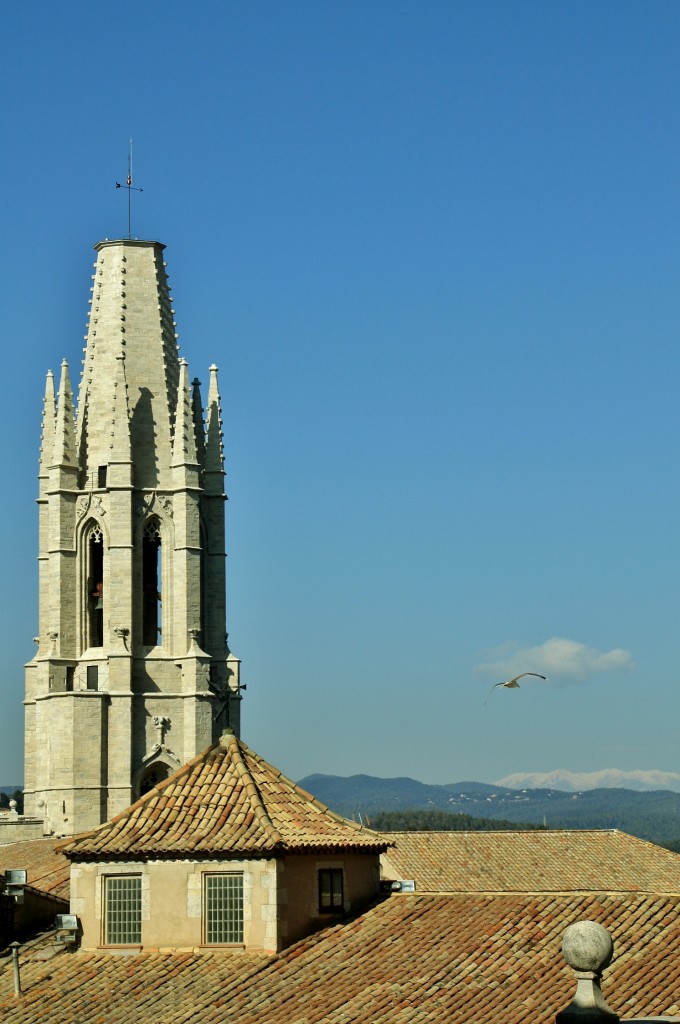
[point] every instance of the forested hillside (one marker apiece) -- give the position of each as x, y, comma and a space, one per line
653, 815
440, 821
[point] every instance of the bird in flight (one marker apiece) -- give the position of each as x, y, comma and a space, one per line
513, 684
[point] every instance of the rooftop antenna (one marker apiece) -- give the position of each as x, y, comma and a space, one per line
130, 188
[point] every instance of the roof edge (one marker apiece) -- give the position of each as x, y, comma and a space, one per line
130, 242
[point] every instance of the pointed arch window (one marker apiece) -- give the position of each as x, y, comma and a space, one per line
152, 618
95, 587
154, 774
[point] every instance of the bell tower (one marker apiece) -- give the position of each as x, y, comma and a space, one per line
133, 675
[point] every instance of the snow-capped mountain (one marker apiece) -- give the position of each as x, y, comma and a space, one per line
607, 778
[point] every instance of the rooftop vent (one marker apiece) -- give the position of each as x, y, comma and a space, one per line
66, 928
14, 884
398, 885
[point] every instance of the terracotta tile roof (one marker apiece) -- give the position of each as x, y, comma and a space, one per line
473, 959
564, 861
48, 870
225, 800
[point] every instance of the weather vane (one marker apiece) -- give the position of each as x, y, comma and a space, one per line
130, 188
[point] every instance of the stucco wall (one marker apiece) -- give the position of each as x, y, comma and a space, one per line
299, 893
172, 901
281, 902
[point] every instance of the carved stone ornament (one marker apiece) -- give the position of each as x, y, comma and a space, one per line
166, 504
159, 752
122, 632
163, 500
87, 500
161, 725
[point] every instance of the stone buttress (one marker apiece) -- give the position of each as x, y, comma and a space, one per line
133, 675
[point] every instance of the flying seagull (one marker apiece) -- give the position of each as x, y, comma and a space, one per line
512, 684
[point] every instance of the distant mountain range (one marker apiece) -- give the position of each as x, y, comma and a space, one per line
608, 778
653, 815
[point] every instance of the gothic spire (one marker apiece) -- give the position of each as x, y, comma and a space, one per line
48, 423
65, 432
120, 427
131, 311
199, 430
184, 441
214, 451
131, 560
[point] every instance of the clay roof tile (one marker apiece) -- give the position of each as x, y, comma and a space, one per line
225, 800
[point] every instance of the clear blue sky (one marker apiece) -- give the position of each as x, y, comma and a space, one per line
433, 248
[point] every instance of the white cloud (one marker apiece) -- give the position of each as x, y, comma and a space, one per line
557, 658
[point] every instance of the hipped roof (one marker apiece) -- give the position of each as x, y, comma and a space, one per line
536, 861
48, 870
227, 800
413, 959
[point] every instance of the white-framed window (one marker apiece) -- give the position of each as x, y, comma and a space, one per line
223, 908
122, 910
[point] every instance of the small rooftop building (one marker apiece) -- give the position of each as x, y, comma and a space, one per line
227, 852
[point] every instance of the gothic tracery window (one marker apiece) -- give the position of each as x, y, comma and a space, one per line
95, 587
152, 623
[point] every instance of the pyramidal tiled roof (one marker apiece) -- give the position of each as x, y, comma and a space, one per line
226, 800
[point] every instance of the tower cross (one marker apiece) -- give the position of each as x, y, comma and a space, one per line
130, 188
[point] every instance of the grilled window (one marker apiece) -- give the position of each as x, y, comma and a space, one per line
223, 903
331, 893
123, 910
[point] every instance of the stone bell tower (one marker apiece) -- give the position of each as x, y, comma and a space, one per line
133, 675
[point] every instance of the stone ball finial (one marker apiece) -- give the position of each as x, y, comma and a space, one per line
587, 946
588, 949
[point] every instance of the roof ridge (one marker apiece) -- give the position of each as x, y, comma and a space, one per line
306, 795
253, 792
538, 830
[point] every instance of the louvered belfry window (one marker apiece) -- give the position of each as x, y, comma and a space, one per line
223, 902
123, 910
